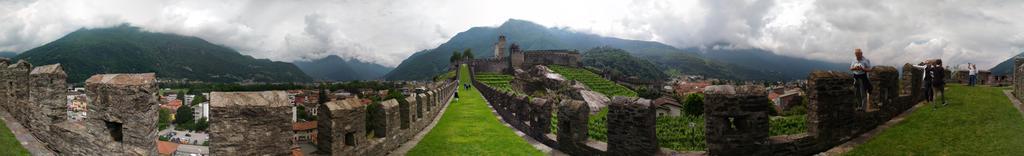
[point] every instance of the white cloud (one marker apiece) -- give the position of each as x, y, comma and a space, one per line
385, 32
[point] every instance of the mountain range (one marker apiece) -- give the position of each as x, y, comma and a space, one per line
7, 54
335, 68
739, 64
1005, 67
127, 49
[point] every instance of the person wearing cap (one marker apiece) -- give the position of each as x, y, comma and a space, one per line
860, 68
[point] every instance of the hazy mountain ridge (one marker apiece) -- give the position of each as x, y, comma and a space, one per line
335, 68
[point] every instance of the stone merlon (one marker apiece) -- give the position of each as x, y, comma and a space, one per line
265, 98
122, 79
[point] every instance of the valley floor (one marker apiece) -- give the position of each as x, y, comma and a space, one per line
977, 121
469, 128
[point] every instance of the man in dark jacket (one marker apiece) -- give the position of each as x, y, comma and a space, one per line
938, 83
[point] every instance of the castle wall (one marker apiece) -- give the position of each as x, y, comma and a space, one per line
832, 119
250, 123
343, 123
48, 91
631, 123
551, 57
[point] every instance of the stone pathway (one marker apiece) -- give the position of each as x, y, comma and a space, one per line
408, 145
28, 141
1016, 102
863, 138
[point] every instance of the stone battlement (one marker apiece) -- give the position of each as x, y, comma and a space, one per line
343, 130
122, 111
737, 123
631, 123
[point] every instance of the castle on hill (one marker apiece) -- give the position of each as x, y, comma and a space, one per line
507, 59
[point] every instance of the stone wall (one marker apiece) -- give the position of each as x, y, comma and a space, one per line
49, 92
736, 120
550, 57
734, 123
495, 65
631, 123
342, 125
250, 123
17, 76
122, 111
1018, 77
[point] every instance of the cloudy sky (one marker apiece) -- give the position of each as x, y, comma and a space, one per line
387, 31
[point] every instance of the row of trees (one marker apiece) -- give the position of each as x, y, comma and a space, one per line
465, 54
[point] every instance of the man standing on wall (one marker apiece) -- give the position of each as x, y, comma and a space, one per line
860, 68
973, 74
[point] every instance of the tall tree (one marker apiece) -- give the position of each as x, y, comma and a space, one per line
323, 95
456, 56
181, 95
468, 53
183, 115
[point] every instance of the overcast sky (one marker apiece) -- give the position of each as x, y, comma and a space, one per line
388, 31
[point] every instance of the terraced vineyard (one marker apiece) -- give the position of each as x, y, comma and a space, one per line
495, 80
594, 81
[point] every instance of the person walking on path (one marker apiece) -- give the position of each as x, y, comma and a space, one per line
860, 68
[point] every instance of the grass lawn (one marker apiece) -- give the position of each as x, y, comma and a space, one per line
8, 144
978, 121
469, 128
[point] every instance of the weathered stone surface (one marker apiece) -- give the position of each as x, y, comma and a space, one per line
595, 100
17, 100
631, 127
343, 131
572, 127
250, 123
48, 91
736, 120
127, 102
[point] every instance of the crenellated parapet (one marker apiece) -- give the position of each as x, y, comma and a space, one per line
343, 126
736, 121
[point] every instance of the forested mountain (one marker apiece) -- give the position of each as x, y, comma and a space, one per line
127, 49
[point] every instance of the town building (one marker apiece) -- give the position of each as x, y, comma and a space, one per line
305, 132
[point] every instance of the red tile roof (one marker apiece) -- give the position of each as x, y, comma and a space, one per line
166, 148
173, 104
299, 126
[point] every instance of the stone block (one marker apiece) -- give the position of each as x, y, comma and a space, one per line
573, 132
343, 127
250, 123
631, 127
736, 120
124, 107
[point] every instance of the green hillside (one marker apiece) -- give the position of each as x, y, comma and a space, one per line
127, 49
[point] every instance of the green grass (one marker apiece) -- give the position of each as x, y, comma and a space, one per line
593, 81
469, 128
9, 145
978, 121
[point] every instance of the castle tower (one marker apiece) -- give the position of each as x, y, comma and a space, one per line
499, 48
516, 56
